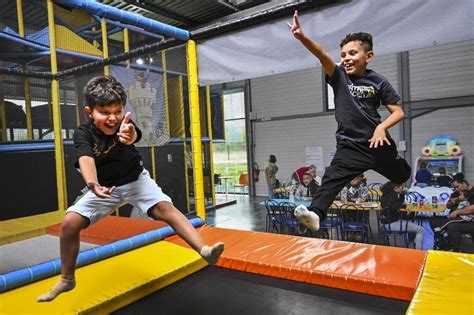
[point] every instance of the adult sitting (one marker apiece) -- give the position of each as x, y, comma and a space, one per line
306, 189
356, 190
297, 176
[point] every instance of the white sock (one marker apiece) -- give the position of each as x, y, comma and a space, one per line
307, 218
63, 285
212, 253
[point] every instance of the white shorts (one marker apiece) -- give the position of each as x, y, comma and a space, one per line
143, 194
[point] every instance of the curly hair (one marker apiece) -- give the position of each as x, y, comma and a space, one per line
365, 39
104, 90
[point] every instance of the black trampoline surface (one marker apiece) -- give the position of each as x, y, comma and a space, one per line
216, 290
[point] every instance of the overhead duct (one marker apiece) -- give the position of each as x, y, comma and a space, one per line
115, 14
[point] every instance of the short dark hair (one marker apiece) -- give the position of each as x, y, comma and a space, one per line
460, 181
365, 40
104, 90
272, 158
442, 170
423, 164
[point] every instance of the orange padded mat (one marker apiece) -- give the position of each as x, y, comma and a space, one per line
111, 229
378, 270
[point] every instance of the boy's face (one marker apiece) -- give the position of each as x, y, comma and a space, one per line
307, 180
355, 182
106, 117
354, 58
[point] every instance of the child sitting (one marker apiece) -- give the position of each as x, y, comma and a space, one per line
391, 217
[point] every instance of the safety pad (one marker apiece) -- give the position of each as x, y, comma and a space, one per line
378, 270
19, 229
110, 284
447, 285
111, 229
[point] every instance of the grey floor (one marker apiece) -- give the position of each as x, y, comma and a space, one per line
31, 252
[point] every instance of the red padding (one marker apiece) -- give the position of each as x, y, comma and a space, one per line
379, 270
111, 229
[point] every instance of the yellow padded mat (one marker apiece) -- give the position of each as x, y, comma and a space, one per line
447, 285
27, 227
110, 284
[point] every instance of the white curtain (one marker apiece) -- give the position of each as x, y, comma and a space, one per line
396, 26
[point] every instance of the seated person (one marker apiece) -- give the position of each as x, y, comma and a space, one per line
423, 176
306, 189
443, 180
297, 176
355, 191
391, 216
460, 219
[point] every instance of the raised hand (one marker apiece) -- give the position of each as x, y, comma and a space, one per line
296, 27
127, 133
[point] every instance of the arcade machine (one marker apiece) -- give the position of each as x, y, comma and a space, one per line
440, 151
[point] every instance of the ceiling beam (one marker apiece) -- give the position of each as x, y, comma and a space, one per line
157, 9
228, 5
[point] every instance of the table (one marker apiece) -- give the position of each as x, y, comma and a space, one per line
427, 208
371, 205
225, 178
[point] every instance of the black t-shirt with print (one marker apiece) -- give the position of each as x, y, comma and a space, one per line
357, 100
116, 163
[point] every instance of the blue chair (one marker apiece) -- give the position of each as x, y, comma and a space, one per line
290, 222
354, 221
274, 218
387, 231
332, 223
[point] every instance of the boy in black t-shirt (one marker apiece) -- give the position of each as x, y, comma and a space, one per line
363, 142
112, 169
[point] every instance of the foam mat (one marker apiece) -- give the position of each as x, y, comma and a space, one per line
447, 285
378, 270
109, 284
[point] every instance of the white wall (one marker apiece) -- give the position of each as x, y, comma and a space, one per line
438, 72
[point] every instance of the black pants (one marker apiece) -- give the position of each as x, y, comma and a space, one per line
455, 229
352, 159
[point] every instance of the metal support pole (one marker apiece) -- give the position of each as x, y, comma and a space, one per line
196, 144
58, 137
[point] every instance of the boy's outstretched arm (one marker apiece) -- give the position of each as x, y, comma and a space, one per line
380, 135
89, 174
316, 49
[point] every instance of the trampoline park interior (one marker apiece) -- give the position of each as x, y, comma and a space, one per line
166, 55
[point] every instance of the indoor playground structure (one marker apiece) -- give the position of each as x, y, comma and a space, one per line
130, 265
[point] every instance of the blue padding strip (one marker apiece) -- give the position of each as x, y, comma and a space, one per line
41, 146
27, 275
113, 13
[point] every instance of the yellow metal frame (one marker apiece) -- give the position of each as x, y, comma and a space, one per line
58, 136
183, 136
211, 145
105, 44
26, 81
196, 144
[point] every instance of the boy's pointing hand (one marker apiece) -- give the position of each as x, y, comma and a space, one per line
296, 27
127, 133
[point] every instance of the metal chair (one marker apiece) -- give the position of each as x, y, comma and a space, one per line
354, 221
387, 231
332, 223
290, 222
274, 218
